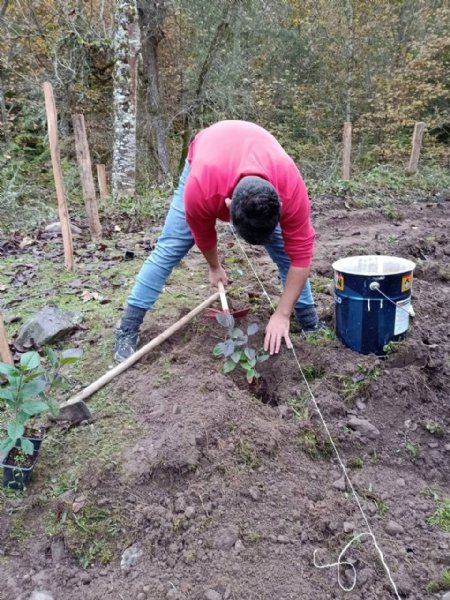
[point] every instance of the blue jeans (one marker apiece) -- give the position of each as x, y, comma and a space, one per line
175, 242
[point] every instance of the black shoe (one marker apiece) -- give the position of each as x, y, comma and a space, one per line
126, 344
308, 319
319, 325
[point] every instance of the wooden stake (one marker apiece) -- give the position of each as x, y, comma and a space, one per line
419, 128
346, 150
5, 352
57, 174
87, 180
102, 183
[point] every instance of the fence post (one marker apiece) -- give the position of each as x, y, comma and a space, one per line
419, 128
346, 150
63, 211
87, 180
5, 352
102, 183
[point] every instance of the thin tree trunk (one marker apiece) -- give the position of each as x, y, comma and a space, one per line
154, 105
124, 151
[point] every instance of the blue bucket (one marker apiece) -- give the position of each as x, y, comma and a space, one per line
373, 301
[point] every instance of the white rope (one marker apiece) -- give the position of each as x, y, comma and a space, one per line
369, 531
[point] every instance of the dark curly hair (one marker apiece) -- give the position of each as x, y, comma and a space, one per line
255, 209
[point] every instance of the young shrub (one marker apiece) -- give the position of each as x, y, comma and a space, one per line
235, 349
25, 393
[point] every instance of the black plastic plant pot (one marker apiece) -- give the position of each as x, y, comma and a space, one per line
17, 477
36, 437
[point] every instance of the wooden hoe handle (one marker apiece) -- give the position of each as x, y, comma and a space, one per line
107, 377
223, 297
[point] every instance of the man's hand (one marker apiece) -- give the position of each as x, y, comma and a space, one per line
217, 274
277, 329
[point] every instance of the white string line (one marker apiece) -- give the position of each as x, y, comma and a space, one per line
407, 310
369, 532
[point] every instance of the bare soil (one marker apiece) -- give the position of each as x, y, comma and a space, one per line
224, 493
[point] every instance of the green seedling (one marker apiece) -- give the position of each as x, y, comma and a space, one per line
412, 451
322, 337
235, 349
355, 384
391, 348
313, 445
435, 429
441, 584
313, 372
356, 463
25, 394
441, 515
390, 212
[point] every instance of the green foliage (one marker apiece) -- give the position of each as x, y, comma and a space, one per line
25, 394
247, 454
235, 349
313, 444
441, 584
412, 450
436, 429
441, 515
322, 337
355, 384
391, 348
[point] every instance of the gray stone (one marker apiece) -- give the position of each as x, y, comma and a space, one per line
339, 484
446, 596
56, 228
41, 596
364, 426
394, 528
226, 537
173, 594
349, 526
130, 557
239, 546
48, 324
254, 493
58, 551
360, 405
212, 595
189, 512
141, 596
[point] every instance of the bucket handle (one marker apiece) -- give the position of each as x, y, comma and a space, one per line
375, 287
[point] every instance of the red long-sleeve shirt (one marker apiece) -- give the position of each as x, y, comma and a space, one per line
224, 153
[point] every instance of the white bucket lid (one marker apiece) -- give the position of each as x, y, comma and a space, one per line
373, 265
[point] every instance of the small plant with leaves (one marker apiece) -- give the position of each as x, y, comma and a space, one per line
25, 393
236, 350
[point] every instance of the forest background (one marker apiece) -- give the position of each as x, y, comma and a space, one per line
299, 68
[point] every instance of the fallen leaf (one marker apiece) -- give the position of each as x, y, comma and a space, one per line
86, 296
78, 503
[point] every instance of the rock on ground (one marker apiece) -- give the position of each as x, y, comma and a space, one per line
50, 323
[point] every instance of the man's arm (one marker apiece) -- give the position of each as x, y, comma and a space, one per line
278, 326
216, 271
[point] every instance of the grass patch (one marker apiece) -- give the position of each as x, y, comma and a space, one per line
438, 585
354, 385
321, 285
322, 337
435, 428
247, 455
300, 407
90, 534
441, 515
314, 444
356, 463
